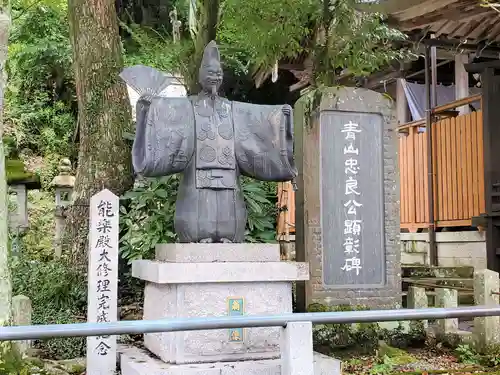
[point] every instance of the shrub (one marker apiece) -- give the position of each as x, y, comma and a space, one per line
38, 240
363, 338
11, 362
491, 356
40, 98
147, 215
58, 295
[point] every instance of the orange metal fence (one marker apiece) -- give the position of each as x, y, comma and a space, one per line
458, 173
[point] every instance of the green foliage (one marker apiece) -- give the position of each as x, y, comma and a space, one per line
360, 42
277, 31
384, 367
40, 97
336, 36
492, 356
48, 169
10, 148
58, 295
468, 354
148, 47
343, 337
13, 363
147, 215
38, 240
362, 338
261, 201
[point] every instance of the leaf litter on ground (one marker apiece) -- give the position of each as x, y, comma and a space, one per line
425, 362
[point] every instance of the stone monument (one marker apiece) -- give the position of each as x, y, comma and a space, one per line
63, 183
102, 306
211, 272
347, 204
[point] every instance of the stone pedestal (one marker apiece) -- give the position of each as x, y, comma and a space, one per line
209, 280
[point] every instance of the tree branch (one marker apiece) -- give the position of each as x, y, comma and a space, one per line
26, 9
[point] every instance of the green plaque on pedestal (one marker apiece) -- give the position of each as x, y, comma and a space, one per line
236, 307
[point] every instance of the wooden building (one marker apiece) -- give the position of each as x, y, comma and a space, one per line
449, 180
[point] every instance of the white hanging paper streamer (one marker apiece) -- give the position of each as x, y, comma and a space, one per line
274, 75
192, 18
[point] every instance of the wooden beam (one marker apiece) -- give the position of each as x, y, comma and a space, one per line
375, 82
480, 67
442, 54
450, 14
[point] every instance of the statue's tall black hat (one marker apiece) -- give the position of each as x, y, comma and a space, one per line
211, 55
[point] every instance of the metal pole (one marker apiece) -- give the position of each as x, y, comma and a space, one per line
434, 77
430, 172
195, 324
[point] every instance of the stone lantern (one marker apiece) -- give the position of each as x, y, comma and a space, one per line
19, 181
63, 183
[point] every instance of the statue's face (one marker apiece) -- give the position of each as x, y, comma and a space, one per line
211, 78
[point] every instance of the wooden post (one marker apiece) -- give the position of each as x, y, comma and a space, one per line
401, 103
461, 81
412, 136
491, 136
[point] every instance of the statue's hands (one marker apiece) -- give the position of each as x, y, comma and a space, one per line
286, 110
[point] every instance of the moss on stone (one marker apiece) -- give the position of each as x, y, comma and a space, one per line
397, 356
17, 174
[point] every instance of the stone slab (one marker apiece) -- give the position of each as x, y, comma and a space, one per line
297, 349
166, 301
227, 272
135, 361
103, 280
219, 252
21, 316
486, 330
447, 298
314, 233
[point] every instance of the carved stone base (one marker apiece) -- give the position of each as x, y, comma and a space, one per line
227, 279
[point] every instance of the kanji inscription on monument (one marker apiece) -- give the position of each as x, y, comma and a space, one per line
347, 205
352, 199
102, 280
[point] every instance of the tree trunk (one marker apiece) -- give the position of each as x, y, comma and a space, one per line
104, 159
5, 282
208, 20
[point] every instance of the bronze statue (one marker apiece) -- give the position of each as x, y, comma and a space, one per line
211, 141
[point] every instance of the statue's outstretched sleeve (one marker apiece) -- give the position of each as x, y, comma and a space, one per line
164, 139
264, 141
